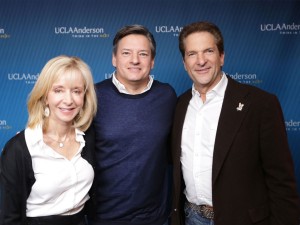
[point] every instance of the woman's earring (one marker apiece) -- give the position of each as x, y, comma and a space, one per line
47, 111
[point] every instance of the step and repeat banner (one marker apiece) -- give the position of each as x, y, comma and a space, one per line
262, 46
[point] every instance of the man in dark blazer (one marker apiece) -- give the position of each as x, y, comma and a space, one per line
232, 163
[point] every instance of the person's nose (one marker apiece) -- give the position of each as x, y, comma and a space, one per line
201, 59
135, 58
68, 98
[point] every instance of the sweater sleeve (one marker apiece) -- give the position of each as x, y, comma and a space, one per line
16, 180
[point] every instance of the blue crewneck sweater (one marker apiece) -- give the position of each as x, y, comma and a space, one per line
132, 133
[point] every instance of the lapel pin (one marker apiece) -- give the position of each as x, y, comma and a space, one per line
240, 107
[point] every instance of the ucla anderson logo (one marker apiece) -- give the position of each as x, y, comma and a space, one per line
3, 35
174, 30
26, 77
292, 125
282, 28
108, 75
4, 125
246, 78
81, 32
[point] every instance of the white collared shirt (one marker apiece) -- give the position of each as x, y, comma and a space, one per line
197, 143
62, 185
122, 89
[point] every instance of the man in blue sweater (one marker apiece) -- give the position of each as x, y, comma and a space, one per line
132, 126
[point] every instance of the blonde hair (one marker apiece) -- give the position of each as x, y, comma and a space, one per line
52, 70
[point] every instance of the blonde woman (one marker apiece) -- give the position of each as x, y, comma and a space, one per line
47, 169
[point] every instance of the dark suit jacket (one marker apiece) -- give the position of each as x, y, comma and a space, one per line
253, 178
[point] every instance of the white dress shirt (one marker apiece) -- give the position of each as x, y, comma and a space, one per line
197, 143
62, 185
122, 89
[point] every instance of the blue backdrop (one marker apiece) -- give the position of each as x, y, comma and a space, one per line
261, 45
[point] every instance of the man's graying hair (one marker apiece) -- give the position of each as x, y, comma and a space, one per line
134, 29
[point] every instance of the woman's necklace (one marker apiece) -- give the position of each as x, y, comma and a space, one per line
62, 142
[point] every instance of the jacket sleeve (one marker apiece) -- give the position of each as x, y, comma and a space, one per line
88, 153
278, 166
14, 178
